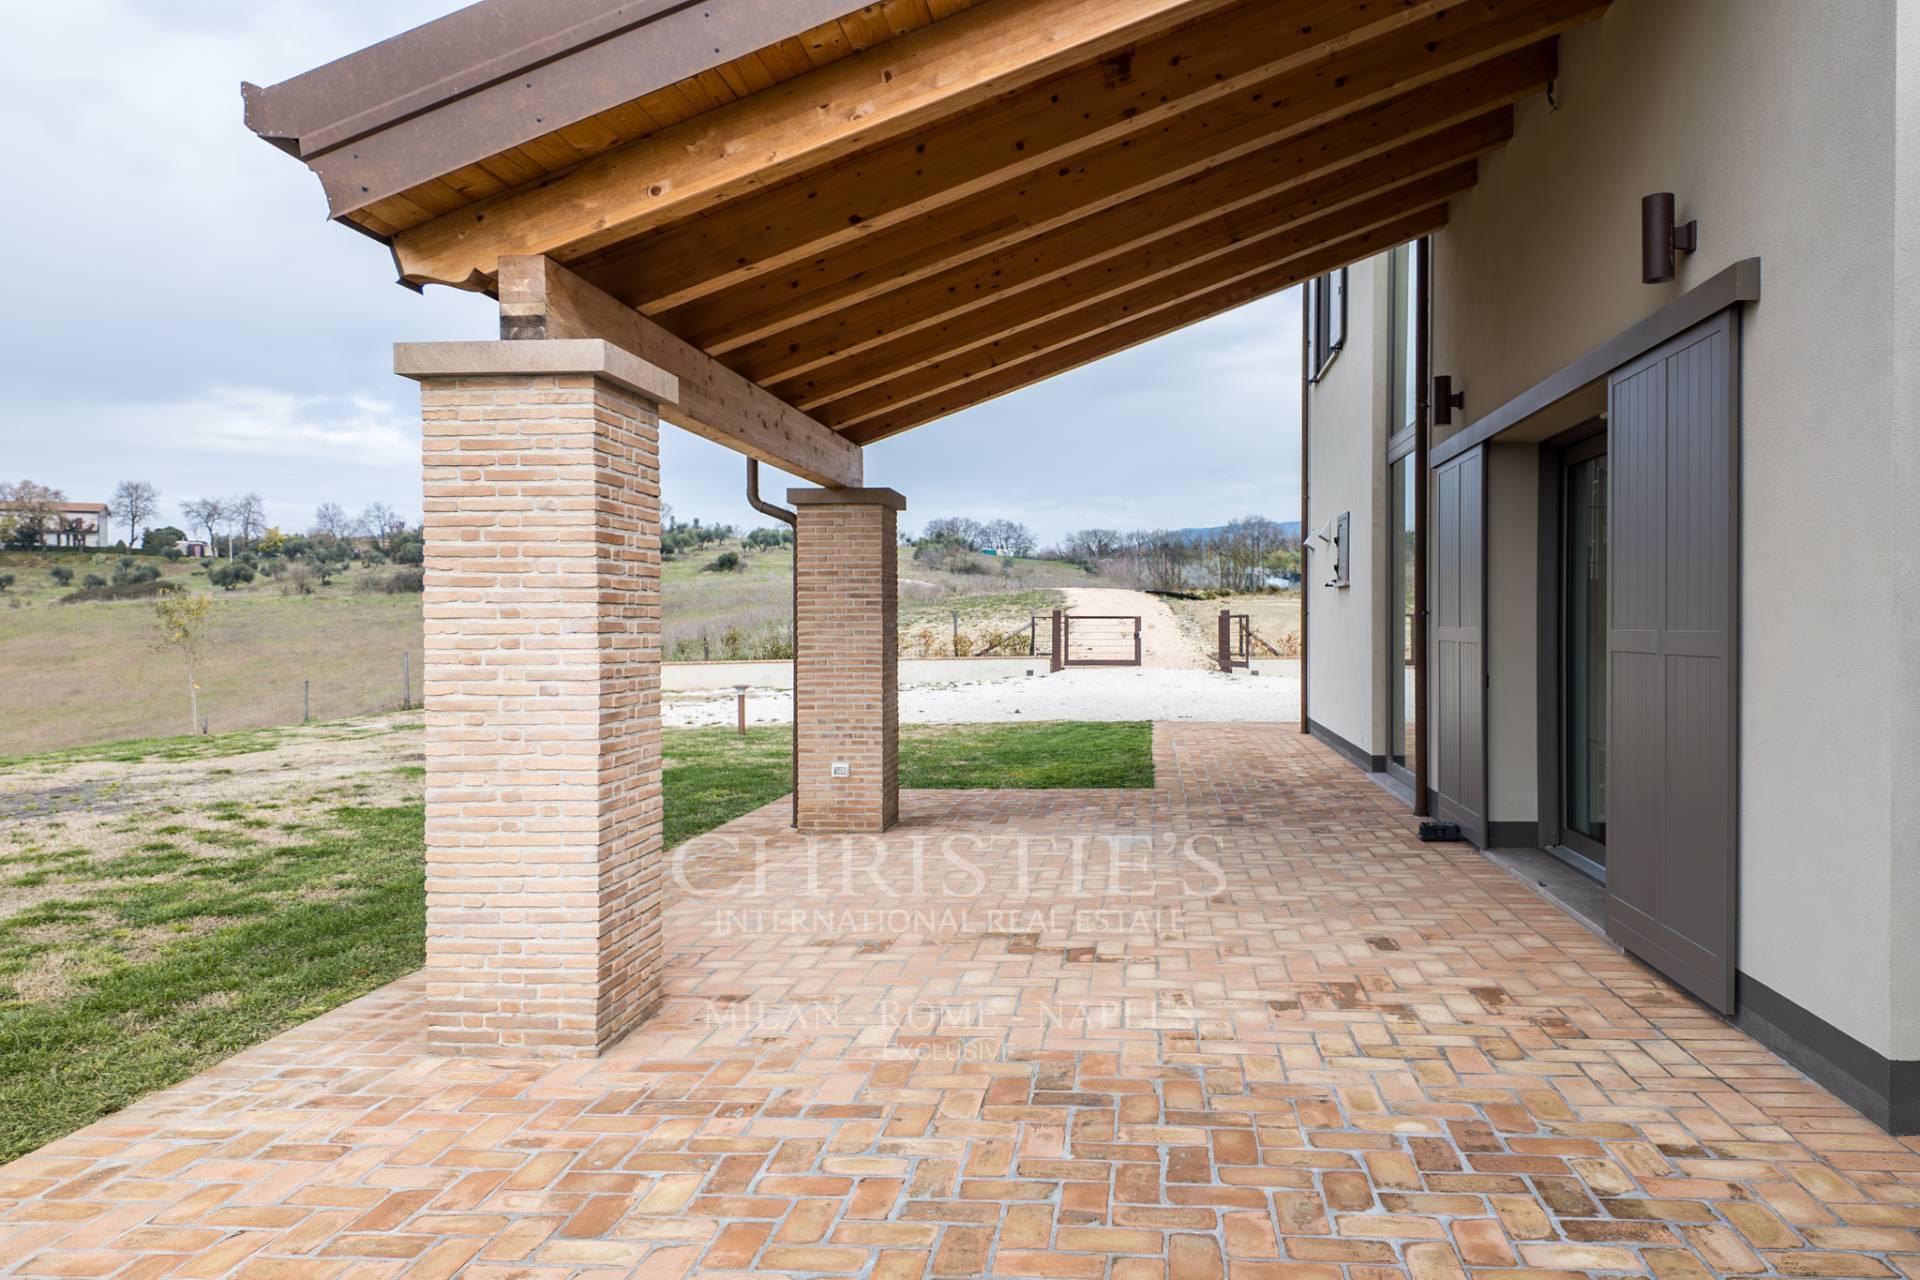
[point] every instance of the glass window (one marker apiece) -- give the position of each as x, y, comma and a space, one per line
1403, 710
1403, 265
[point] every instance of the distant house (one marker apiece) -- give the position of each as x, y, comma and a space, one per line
195, 550
76, 524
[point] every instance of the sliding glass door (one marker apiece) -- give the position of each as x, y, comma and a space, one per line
1583, 713
1403, 713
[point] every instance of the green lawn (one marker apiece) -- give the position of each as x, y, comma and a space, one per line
163, 941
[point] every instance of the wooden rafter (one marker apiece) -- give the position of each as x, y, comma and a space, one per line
1216, 252
539, 298
1110, 176
1231, 195
1079, 349
1232, 60
871, 97
1034, 331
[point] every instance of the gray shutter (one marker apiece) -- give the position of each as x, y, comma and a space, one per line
1673, 615
1459, 642
1336, 309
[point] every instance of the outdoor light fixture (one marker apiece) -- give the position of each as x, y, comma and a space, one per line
1446, 400
1660, 238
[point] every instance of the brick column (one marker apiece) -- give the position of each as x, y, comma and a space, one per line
542, 692
847, 685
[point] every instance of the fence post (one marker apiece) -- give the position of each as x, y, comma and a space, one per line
956, 633
1137, 654
306, 701
406, 682
1226, 642
1056, 659
1033, 633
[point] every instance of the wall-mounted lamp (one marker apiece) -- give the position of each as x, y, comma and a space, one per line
1660, 239
1446, 400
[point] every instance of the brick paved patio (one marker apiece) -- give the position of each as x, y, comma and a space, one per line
1240, 1026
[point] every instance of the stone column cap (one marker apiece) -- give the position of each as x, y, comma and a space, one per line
848, 498
597, 357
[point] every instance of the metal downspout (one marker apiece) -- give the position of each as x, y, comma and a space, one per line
1422, 419
792, 520
1306, 323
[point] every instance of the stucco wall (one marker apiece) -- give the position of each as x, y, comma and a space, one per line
1904, 779
1346, 465
1773, 122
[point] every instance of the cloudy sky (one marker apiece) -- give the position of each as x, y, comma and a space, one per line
178, 310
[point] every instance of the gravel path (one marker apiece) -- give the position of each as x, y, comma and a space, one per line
1163, 643
1088, 693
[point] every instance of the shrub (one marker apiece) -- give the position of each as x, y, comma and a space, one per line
174, 553
127, 571
61, 575
6, 581
97, 589
412, 551
230, 575
726, 562
405, 582
299, 580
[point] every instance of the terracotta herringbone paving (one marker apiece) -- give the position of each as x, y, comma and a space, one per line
1241, 1026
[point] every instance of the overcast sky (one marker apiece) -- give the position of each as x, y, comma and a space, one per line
177, 309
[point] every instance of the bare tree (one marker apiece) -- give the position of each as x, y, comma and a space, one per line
136, 501
331, 519
249, 516
381, 522
204, 513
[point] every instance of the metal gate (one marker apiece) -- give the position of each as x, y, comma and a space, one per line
1236, 640
1094, 640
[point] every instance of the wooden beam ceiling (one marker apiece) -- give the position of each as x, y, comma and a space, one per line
1214, 196
1216, 252
873, 96
1230, 61
1084, 348
1031, 333
1199, 96
1103, 179
999, 192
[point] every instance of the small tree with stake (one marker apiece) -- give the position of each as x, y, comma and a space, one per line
186, 627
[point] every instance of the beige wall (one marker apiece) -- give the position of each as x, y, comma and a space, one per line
1904, 782
1346, 465
1773, 122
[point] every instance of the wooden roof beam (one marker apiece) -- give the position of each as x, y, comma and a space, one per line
1217, 252
1086, 349
870, 97
1241, 69
1246, 184
1032, 329
1019, 211
539, 298
1222, 60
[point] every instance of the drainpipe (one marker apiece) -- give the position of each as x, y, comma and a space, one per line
1422, 417
1306, 320
792, 520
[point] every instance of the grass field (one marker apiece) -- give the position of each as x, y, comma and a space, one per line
166, 903
80, 673
1274, 616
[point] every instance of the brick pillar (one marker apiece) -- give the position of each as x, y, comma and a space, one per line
542, 692
847, 685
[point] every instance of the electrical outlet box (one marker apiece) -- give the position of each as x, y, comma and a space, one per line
840, 769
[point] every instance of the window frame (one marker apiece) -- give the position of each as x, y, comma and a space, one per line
1326, 321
